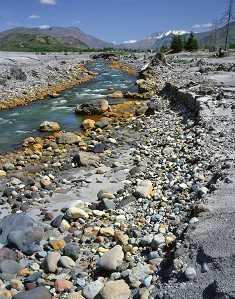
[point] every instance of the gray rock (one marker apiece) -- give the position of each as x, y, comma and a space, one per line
158, 240
37, 293
190, 273
93, 289
68, 138
21, 231
112, 259
72, 250
93, 107
52, 261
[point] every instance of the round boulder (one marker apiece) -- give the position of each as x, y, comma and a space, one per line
49, 126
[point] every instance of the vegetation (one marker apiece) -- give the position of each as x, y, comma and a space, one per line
26, 42
191, 44
177, 44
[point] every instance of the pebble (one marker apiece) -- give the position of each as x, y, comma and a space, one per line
62, 285
112, 259
93, 289
190, 273
76, 213
52, 261
67, 262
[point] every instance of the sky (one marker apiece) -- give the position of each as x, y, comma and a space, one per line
113, 20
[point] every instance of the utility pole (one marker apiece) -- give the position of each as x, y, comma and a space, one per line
229, 17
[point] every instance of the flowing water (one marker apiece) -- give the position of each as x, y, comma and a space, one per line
19, 123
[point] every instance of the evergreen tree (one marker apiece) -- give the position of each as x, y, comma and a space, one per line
192, 43
177, 44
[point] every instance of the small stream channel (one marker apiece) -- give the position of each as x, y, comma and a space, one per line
19, 123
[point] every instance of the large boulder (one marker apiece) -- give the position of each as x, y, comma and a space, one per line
21, 232
49, 126
93, 107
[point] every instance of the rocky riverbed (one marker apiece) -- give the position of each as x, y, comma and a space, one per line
138, 206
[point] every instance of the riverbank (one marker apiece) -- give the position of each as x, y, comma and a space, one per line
27, 77
117, 205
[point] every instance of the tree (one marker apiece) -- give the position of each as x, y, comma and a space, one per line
177, 44
192, 43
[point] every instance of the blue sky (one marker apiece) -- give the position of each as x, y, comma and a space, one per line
112, 20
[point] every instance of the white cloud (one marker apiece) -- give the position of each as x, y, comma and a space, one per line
44, 27
197, 26
208, 25
131, 41
48, 2
34, 17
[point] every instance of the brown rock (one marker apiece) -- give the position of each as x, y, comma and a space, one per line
88, 124
62, 285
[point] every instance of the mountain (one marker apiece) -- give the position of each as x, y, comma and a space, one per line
48, 39
159, 39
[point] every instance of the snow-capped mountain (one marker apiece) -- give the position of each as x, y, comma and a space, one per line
155, 40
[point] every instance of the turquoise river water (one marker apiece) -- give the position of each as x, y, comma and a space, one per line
19, 123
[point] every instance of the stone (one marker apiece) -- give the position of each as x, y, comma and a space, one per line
117, 94
121, 237
144, 189
5, 294
112, 259
9, 266
72, 250
93, 289
88, 124
37, 293
49, 126
67, 262
17, 284
102, 123
22, 232
57, 221
75, 295
76, 213
107, 231
190, 273
52, 261
62, 284
117, 289
138, 274
8, 166
68, 138
158, 240
57, 244
106, 204
93, 107
2, 173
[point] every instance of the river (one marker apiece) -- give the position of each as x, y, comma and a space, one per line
21, 122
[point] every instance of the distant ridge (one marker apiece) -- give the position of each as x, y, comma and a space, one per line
49, 39
160, 39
